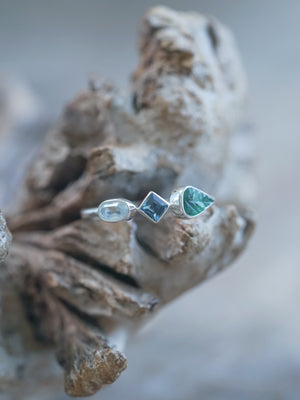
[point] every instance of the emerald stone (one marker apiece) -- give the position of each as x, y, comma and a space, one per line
195, 201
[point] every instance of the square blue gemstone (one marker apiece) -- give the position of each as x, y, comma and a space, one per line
154, 206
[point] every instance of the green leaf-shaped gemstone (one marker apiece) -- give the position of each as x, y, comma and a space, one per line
195, 201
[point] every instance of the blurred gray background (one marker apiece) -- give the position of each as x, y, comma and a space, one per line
237, 336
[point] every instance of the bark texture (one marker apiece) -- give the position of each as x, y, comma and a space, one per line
88, 284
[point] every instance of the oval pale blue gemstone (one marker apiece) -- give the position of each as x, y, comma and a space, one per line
113, 210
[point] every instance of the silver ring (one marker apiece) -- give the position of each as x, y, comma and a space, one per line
184, 202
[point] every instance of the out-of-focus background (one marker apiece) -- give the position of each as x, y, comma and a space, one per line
245, 340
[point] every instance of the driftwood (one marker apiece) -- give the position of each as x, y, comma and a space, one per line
87, 284
5, 238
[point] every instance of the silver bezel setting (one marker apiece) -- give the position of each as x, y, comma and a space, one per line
176, 202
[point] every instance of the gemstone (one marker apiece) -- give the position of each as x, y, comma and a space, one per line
154, 206
195, 201
113, 210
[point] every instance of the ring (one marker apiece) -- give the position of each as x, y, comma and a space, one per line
184, 202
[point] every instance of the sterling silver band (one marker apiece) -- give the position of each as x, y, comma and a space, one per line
89, 213
184, 202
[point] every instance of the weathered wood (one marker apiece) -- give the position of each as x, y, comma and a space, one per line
5, 238
182, 123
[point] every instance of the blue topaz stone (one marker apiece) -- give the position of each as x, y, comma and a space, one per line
154, 207
114, 210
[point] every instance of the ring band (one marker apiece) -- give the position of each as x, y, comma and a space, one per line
184, 202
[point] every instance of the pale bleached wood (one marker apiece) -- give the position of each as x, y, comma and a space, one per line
182, 123
5, 238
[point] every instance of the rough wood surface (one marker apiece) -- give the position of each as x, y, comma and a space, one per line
5, 238
86, 283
